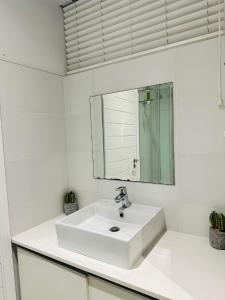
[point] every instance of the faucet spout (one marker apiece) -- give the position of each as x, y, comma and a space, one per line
123, 198
121, 213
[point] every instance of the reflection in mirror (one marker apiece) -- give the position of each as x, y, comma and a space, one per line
132, 134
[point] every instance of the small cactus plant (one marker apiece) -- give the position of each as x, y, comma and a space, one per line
217, 230
221, 223
213, 218
70, 203
217, 221
70, 197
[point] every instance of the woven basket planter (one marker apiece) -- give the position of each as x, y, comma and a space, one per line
70, 208
217, 238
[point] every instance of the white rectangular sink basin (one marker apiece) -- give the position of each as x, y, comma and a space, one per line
87, 231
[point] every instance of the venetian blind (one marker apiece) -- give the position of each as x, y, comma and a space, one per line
103, 31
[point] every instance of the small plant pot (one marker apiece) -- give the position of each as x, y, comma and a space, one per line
217, 238
70, 208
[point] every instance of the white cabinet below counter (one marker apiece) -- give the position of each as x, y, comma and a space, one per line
102, 290
42, 279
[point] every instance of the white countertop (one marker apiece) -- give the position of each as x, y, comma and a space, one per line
179, 267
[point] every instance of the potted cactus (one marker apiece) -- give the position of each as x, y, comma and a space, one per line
70, 203
217, 230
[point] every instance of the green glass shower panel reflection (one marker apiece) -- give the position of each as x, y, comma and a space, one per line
156, 134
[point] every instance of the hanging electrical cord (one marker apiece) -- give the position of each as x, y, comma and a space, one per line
220, 102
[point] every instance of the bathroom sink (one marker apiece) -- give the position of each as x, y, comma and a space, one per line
98, 231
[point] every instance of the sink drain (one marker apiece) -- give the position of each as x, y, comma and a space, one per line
114, 229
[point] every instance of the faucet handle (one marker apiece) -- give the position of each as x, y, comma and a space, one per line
122, 189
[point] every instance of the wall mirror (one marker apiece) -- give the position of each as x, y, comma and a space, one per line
132, 134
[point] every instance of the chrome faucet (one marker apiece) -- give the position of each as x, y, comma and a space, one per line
123, 198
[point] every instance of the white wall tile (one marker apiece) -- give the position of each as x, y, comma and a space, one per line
30, 135
77, 90
35, 190
191, 218
78, 132
202, 179
80, 171
139, 72
199, 121
27, 90
31, 33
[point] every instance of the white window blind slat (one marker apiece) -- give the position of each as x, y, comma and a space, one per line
120, 15
150, 33
100, 31
190, 28
109, 47
124, 19
114, 26
69, 23
124, 32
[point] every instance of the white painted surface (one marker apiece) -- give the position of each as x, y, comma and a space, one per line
41, 279
121, 134
88, 231
31, 33
34, 143
6, 262
179, 267
199, 126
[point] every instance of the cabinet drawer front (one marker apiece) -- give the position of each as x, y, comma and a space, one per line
102, 290
1, 294
42, 279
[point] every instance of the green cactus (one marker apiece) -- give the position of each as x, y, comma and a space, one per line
70, 197
217, 221
213, 218
221, 222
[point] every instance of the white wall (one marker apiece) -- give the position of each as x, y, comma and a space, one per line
199, 126
31, 33
7, 283
34, 143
